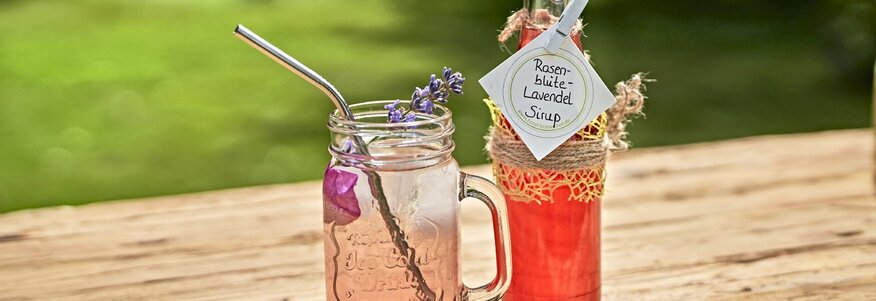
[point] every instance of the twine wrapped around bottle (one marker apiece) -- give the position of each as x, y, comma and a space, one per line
577, 166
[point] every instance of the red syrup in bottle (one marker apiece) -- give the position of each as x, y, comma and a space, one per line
556, 245
529, 33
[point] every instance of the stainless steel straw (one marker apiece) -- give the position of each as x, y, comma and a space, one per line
295, 66
374, 180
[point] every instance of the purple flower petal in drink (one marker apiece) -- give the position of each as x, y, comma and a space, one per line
339, 202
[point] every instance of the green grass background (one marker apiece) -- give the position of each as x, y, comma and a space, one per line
103, 100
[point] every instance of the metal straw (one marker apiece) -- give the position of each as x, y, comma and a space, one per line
374, 181
304, 72
294, 65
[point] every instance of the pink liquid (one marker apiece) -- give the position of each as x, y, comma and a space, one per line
363, 263
555, 251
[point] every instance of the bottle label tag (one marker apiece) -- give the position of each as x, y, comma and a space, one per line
547, 96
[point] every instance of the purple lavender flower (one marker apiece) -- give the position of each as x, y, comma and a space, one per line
434, 84
425, 106
394, 115
415, 98
438, 90
339, 202
392, 105
455, 82
410, 117
418, 97
423, 99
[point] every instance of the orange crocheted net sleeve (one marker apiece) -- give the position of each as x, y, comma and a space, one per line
584, 184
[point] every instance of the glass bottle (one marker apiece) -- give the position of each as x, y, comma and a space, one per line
391, 216
555, 227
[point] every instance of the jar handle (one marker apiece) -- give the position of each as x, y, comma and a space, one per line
484, 190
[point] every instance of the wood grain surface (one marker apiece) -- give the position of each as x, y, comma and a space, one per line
789, 217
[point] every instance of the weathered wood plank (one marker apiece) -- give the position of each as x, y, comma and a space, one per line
765, 218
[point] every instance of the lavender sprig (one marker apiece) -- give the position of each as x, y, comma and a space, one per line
396, 115
423, 99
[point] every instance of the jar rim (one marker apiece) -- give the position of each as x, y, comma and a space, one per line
423, 142
439, 114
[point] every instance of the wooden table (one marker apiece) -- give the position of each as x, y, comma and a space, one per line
778, 217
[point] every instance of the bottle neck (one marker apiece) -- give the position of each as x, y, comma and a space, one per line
543, 14
552, 7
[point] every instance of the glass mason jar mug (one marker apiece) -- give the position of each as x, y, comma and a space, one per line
391, 210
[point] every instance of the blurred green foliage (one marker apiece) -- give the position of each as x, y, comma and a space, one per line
103, 100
